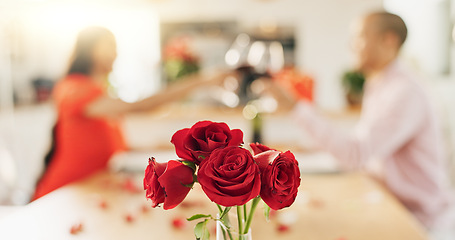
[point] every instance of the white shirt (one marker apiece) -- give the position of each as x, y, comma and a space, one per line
397, 140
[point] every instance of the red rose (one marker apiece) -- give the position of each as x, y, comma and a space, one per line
280, 178
167, 183
196, 143
259, 148
230, 177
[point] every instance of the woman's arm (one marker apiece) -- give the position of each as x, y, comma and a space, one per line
106, 106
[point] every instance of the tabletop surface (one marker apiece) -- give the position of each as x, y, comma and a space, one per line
348, 206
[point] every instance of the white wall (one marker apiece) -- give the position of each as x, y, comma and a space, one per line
452, 19
44, 34
429, 29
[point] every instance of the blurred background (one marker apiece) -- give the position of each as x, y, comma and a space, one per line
162, 40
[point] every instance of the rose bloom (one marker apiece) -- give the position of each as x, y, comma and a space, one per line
230, 177
196, 143
280, 178
167, 183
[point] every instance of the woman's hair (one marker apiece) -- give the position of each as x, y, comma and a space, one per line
81, 60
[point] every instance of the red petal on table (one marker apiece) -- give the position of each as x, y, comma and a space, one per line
145, 208
283, 228
179, 223
76, 228
103, 204
273, 213
107, 183
316, 203
130, 186
129, 218
341, 238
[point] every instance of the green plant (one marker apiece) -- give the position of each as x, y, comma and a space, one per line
353, 84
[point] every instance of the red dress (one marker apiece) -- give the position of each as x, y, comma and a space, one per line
83, 145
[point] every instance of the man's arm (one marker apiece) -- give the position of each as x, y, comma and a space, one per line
377, 135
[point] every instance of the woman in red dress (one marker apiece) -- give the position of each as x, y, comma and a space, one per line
87, 132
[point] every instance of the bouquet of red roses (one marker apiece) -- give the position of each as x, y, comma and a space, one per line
212, 154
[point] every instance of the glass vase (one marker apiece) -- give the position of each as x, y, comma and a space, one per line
228, 229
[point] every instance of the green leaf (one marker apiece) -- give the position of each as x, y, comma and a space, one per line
198, 216
206, 234
267, 212
201, 232
189, 164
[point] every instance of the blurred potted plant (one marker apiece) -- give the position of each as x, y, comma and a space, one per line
353, 82
179, 60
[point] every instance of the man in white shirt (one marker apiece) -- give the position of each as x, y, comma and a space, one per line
397, 139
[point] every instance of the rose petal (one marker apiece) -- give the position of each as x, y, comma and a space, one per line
145, 209
76, 228
265, 158
129, 185
283, 228
129, 218
179, 223
103, 205
201, 124
178, 139
259, 148
214, 145
236, 137
175, 181
217, 137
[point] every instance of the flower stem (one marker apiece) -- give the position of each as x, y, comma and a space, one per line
250, 216
244, 212
230, 234
219, 208
239, 218
224, 221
